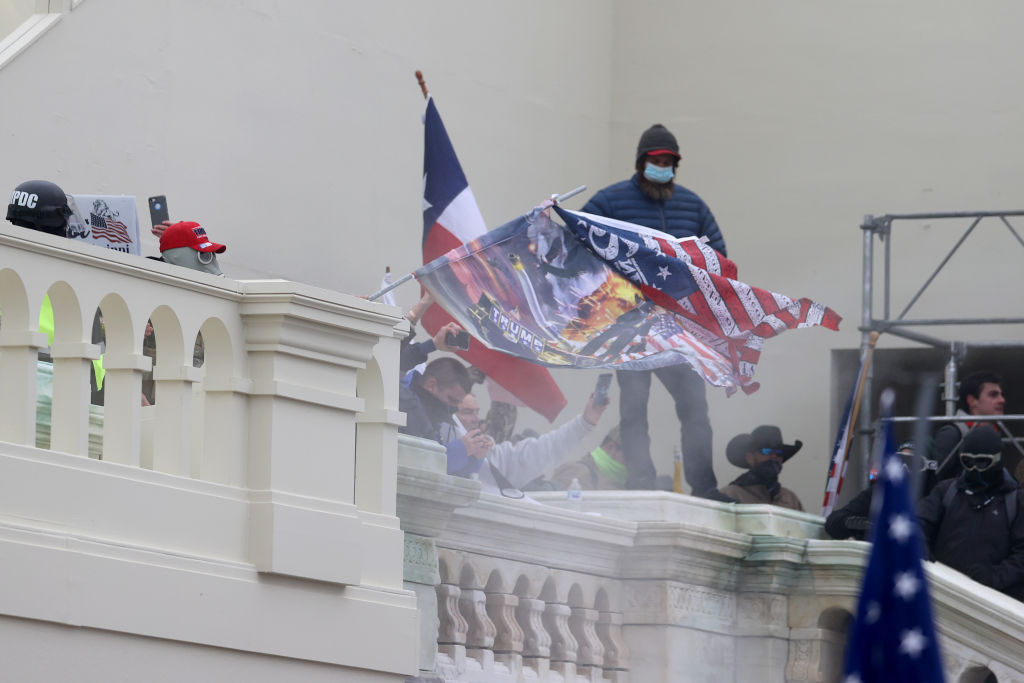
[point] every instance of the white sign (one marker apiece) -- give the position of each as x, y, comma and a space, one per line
110, 221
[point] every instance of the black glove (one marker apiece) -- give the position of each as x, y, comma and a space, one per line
857, 523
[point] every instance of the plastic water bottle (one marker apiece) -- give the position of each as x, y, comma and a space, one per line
574, 494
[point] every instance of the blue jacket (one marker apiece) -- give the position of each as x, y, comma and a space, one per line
684, 214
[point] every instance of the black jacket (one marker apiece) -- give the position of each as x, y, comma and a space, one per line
426, 416
972, 534
851, 520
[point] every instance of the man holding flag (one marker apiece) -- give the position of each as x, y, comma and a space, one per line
651, 199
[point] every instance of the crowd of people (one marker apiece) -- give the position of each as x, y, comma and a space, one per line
970, 506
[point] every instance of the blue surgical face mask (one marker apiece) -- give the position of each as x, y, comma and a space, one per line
659, 174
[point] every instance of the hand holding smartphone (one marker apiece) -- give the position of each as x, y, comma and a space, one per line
458, 340
158, 210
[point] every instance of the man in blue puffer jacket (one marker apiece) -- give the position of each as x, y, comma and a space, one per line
651, 199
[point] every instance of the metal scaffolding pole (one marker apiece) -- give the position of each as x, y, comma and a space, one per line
882, 226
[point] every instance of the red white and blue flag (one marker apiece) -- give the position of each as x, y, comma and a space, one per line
699, 285
844, 437
451, 218
530, 288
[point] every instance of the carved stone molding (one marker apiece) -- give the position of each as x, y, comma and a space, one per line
665, 602
420, 565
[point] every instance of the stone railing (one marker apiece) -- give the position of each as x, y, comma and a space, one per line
650, 586
274, 459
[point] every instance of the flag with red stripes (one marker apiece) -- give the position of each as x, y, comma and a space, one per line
697, 283
451, 218
110, 228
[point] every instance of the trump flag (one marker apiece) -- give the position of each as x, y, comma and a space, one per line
450, 219
531, 289
699, 285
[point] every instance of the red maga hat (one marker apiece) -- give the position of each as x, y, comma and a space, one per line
188, 234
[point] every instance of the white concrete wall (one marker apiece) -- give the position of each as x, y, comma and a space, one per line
290, 130
13, 12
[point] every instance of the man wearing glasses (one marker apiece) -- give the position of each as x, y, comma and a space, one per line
761, 453
975, 522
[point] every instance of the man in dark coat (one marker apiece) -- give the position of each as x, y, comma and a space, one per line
651, 199
975, 523
430, 399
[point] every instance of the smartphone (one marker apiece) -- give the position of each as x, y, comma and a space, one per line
604, 381
158, 210
458, 340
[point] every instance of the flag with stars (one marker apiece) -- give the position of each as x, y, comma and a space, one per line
530, 289
893, 637
699, 285
450, 219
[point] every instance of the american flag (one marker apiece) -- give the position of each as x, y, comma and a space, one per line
893, 636
844, 437
697, 283
110, 228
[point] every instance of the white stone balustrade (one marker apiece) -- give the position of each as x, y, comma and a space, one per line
652, 586
272, 465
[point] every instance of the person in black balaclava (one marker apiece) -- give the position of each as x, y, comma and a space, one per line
762, 453
853, 520
975, 522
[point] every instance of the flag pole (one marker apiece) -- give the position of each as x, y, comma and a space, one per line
382, 292
423, 84
404, 278
571, 193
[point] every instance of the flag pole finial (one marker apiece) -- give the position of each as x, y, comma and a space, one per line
423, 84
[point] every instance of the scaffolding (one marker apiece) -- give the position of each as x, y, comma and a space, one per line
906, 328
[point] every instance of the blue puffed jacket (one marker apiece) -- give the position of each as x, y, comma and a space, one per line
684, 214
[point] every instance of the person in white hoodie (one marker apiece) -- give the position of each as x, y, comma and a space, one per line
505, 467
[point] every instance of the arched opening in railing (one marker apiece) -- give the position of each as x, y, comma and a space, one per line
978, 674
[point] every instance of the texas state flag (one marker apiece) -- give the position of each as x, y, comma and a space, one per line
450, 219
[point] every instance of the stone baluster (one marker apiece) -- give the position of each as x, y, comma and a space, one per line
563, 644
536, 640
453, 628
69, 422
616, 654
590, 653
173, 425
481, 631
122, 413
508, 641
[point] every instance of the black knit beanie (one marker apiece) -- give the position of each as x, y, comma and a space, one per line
654, 138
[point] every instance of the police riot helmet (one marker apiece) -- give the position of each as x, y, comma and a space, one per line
39, 205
